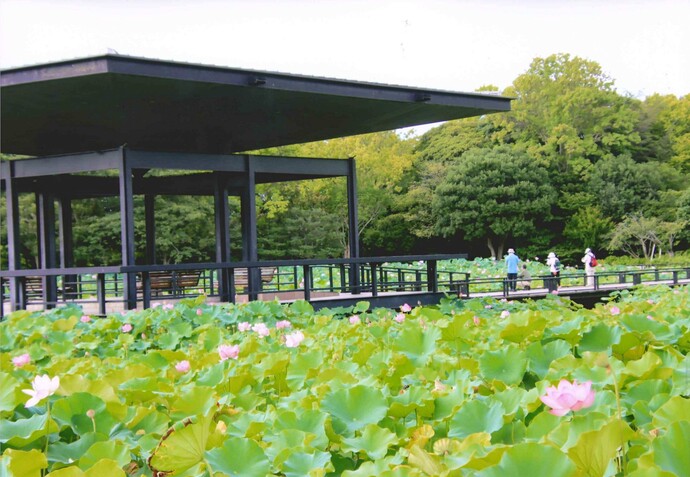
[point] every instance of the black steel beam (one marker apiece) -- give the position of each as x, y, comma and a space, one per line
222, 223
150, 226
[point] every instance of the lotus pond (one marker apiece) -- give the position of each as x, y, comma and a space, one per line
266, 389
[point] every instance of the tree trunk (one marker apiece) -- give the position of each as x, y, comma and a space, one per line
490, 244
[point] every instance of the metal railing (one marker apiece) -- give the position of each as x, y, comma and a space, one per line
293, 279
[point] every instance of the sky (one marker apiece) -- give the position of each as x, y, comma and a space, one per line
644, 45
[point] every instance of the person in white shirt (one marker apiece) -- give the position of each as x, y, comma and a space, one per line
589, 269
554, 267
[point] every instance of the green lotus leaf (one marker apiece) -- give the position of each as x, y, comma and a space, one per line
681, 377
456, 328
446, 405
361, 307
182, 447
651, 472
476, 416
311, 421
600, 338
671, 449
193, 401
675, 409
149, 421
531, 459
429, 314
374, 441
285, 442
67, 453
417, 344
8, 392
631, 347
22, 432
212, 376
239, 457
595, 450
71, 410
644, 367
302, 463
507, 365
301, 307
428, 463
643, 325
568, 330
413, 399
521, 327
541, 356
113, 450
374, 469
542, 424
355, 407
23, 463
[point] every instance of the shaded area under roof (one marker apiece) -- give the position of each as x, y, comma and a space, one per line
106, 101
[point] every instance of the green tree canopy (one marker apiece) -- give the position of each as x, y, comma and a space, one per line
497, 194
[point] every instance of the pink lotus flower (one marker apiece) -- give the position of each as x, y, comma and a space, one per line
650, 317
476, 320
168, 306
354, 319
283, 324
615, 310
505, 314
568, 397
293, 340
244, 326
91, 413
126, 328
488, 307
406, 308
400, 317
183, 366
21, 360
650, 301
260, 329
199, 312
228, 352
85, 319
43, 386
554, 292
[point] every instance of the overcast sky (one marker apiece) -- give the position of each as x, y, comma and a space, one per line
644, 45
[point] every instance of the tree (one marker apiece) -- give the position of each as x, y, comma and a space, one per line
636, 234
624, 187
496, 194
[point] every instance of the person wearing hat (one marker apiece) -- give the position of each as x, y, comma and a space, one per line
589, 269
554, 267
512, 268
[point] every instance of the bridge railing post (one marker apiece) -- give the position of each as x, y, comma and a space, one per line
636, 278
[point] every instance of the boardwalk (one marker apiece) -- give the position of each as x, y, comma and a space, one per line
393, 294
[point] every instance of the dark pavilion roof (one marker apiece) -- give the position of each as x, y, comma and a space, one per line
106, 101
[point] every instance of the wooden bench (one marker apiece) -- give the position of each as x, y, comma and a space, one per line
174, 282
242, 279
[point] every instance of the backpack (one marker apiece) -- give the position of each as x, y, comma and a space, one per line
593, 262
557, 264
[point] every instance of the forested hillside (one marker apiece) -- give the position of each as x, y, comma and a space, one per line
574, 164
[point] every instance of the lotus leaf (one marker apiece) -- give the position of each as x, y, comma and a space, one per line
476, 416
182, 447
671, 449
238, 457
355, 407
507, 365
531, 459
373, 440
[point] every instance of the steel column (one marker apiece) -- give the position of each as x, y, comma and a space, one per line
353, 223
222, 221
127, 229
13, 239
47, 249
249, 236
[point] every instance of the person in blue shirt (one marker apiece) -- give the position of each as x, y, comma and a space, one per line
512, 268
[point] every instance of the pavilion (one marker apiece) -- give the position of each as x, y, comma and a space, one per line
134, 115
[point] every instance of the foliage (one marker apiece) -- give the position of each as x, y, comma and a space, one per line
499, 194
448, 390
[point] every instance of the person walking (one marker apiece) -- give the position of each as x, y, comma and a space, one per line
512, 268
590, 262
554, 267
